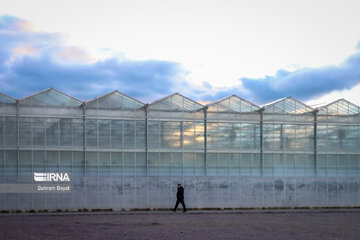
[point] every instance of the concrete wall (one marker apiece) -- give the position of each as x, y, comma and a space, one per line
130, 193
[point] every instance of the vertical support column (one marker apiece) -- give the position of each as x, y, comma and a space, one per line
146, 154
17, 150
262, 141
315, 141
146, 138
205, 151
282, 142
315, 157
110, 158
84, 152
205, 138
3, 155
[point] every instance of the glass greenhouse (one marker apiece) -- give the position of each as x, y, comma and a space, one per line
123, 154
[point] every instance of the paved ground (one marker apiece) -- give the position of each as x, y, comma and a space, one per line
308, 225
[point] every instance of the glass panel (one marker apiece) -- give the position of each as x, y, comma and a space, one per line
200, 165
189, 164
177, 164
116, 158
11, 135
340, 107
322, 165
353, 166
10, 166
52, 132
289, 165
165, 165
78, 158
6, 99
153, 134
279, 165
129, 164
77, 128
223, 165
52, 98
268, 136
140, 134
52, 158
170, 133
189, 135
104, 133
212, 164
245, 164
66, 158
116, 134
2, 131
234, 165
114, 100
154, 162
140, 164
256, 164
300, 165
232, 104
38, 131
129, 134
91, 159
199, 135
249, 136
65, 132
269, 165
91, 132
287, 105
25, 131
175, 102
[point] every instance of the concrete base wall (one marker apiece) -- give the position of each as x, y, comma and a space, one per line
130, 193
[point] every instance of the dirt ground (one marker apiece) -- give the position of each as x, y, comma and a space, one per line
169, 225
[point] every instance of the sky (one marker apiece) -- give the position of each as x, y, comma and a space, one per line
260, 50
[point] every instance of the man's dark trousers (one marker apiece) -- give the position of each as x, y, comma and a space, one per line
181, 200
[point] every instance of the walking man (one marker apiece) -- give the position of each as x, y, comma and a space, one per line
179, 197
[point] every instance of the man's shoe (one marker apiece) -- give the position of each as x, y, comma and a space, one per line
174, 210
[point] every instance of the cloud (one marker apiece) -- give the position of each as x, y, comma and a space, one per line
11, 23
306, 83
32, 61
303, 84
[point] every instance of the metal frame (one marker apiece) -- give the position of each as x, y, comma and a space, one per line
203, 118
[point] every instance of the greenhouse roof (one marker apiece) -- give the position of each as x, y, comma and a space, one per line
340, 107
232, 104
176, 102
6, 99
50, 97
287, 105
114, 100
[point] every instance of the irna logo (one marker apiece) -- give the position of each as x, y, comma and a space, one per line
51, 177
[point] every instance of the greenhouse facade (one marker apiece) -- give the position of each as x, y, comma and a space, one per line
120, 153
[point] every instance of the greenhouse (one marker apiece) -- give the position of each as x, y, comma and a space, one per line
121, 153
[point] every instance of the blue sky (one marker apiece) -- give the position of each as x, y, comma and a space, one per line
206, 50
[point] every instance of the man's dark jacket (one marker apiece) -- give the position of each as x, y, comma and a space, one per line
180, 193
